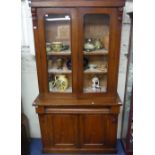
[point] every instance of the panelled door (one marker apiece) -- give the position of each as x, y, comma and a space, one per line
98, 130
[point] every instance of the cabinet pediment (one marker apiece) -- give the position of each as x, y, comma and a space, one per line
77, 3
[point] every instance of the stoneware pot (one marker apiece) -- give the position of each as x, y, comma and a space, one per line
57, 46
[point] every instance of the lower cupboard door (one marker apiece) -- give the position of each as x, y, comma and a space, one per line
59, 130
98, 130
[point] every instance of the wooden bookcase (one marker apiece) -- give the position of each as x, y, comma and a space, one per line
78, 104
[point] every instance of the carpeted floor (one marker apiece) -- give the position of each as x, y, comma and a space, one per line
36, 146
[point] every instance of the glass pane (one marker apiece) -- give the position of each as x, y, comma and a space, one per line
126, 114
58, 49
95, 51
128, 96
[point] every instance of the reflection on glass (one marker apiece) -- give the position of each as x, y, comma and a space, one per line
127, 100
95, 50
128, 96
58, 49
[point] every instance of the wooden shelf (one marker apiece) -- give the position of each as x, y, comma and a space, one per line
55, 90
95, 71
90, 90
66, 52
59, 71
96, 52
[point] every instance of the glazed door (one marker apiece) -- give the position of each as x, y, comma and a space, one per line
58, 50
99, 34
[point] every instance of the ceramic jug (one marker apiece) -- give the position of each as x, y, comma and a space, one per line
61, 82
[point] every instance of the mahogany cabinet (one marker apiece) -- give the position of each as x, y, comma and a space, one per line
77, 55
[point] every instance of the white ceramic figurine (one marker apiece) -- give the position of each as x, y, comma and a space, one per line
95, 83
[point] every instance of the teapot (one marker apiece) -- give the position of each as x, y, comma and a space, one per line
60, 82
89, 46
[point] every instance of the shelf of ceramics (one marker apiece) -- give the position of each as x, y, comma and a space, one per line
55, 90
66, 52
95, 71
96, 52
59, 71
90, 90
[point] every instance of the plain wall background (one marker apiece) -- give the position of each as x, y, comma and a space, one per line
29, 83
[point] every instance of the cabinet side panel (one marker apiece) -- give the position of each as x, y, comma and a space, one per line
37, 52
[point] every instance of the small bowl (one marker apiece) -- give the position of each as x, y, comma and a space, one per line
92, 66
